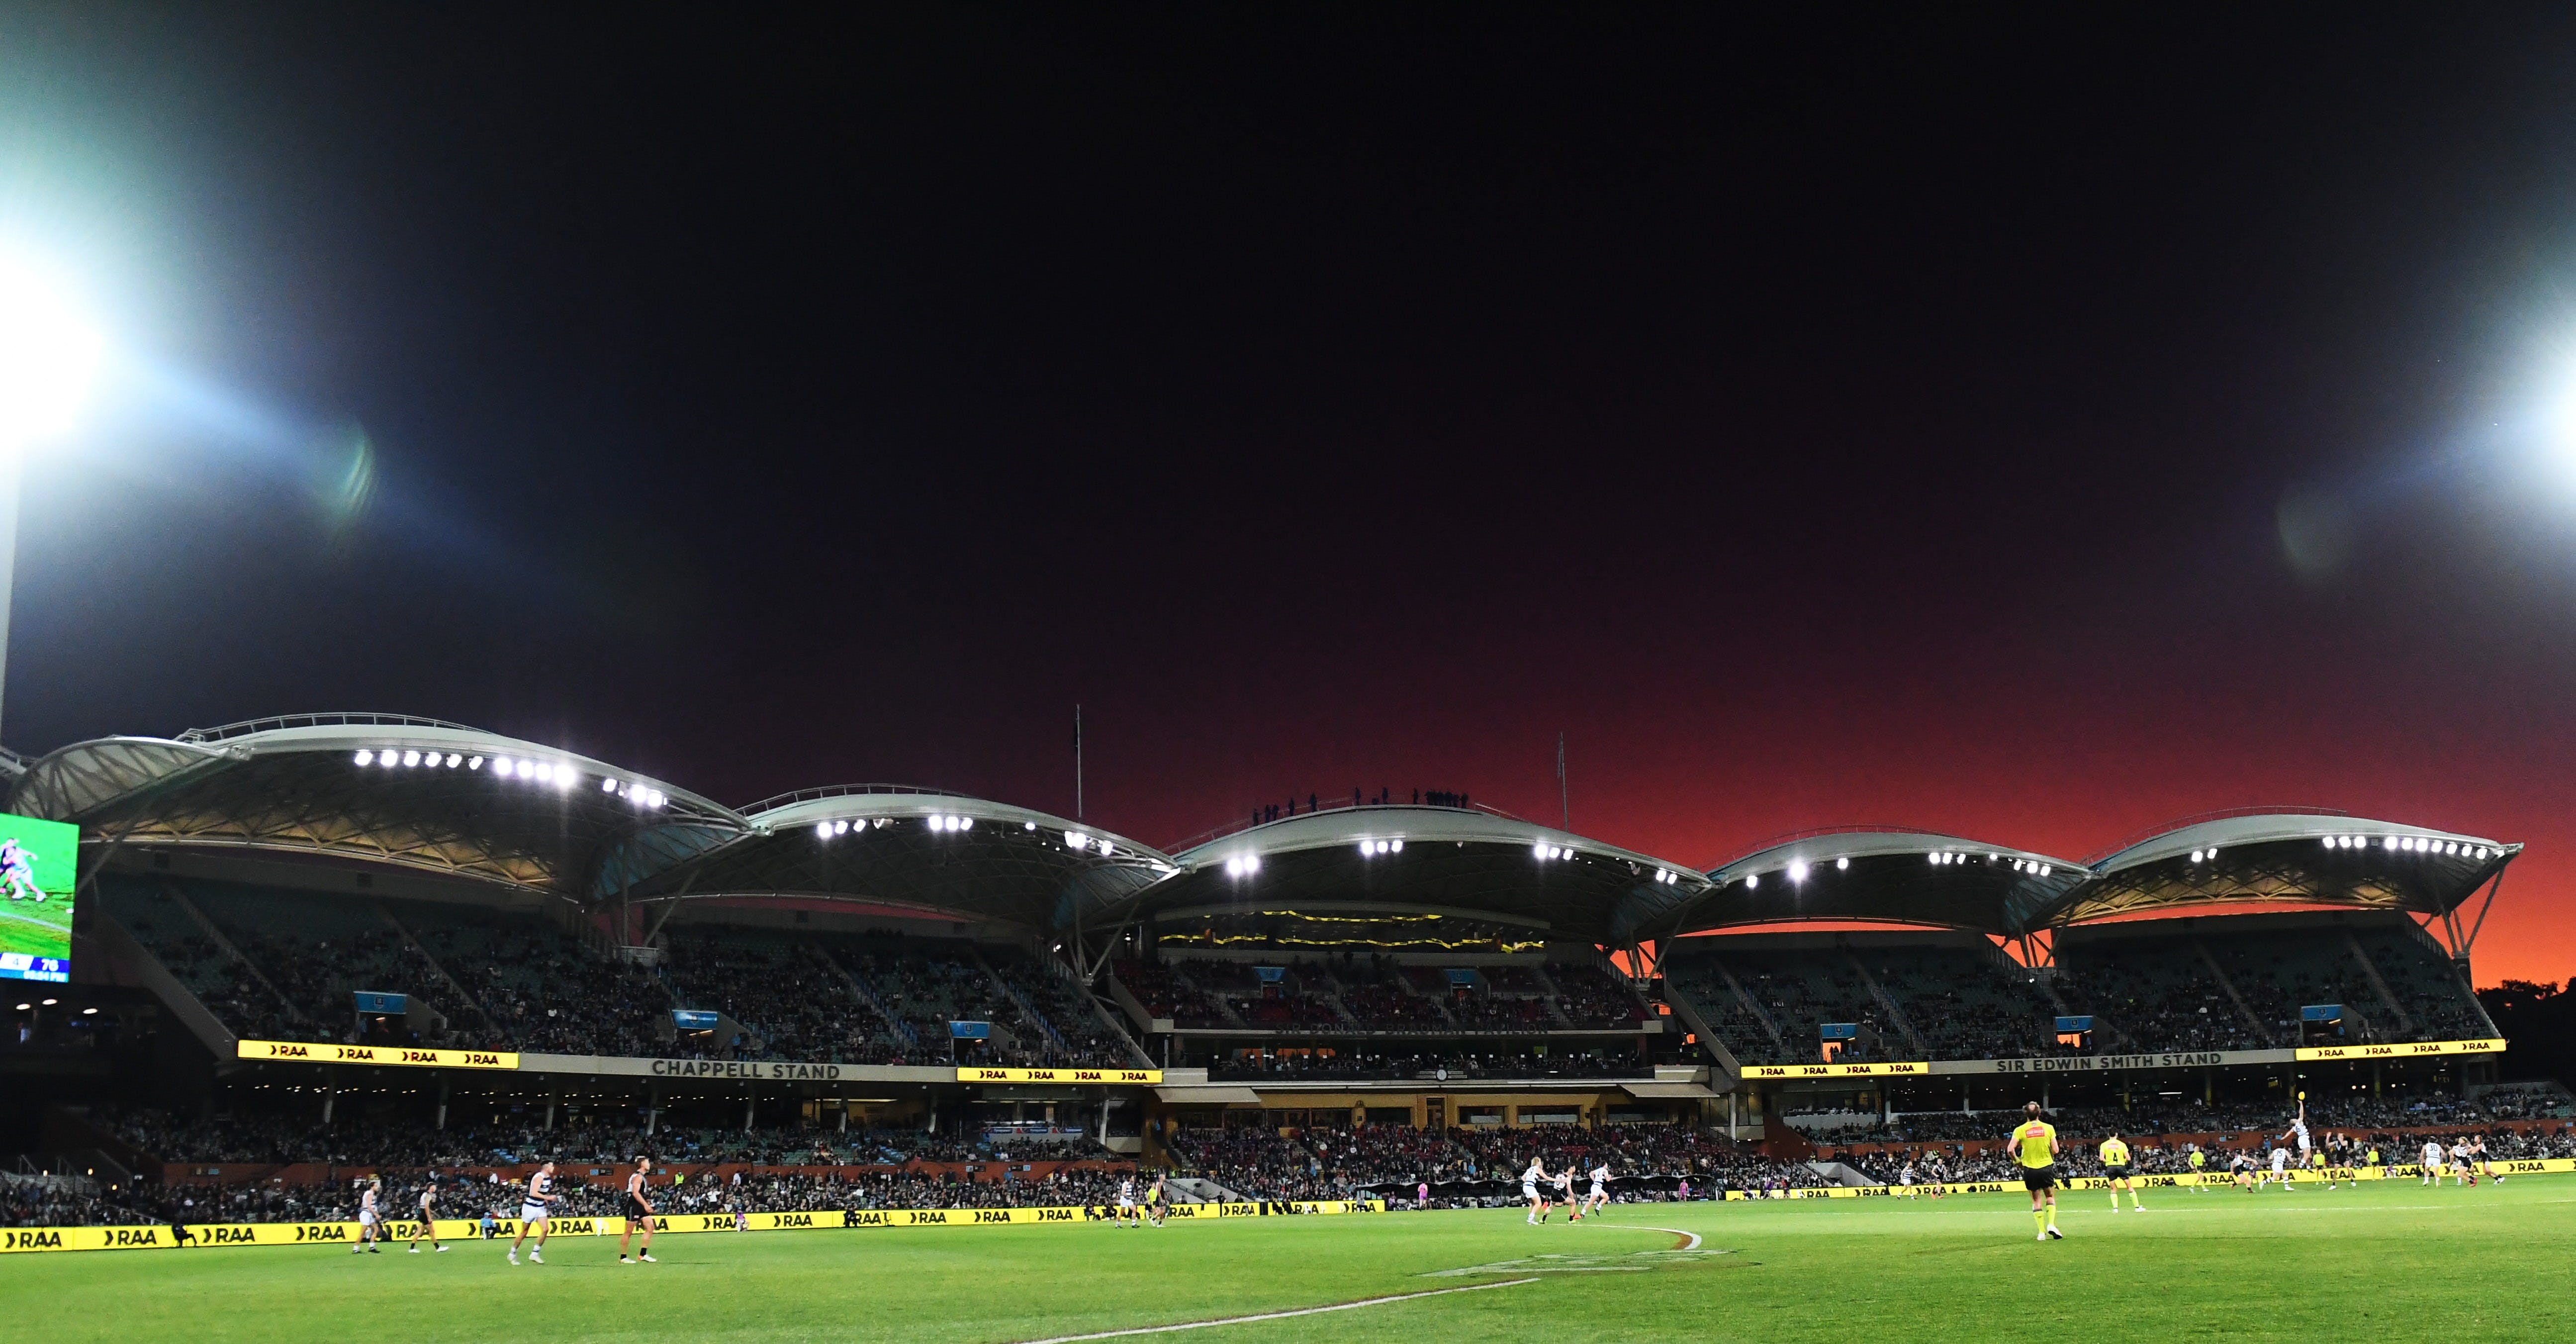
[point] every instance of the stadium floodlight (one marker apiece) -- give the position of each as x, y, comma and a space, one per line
50, 352
1395, 846
366, 757
1028, 825
2195, 856
822, 830
1842, 863
452, 759
607, 785
2047, 868
965, 823
473, 762
1752, 880
1797, 871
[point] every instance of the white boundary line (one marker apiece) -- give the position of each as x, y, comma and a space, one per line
1694, 1237
1279, 1315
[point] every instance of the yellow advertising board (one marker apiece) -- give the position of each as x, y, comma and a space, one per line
1000, 1075
203, 1235
2405, 1050
313, 1052
1835, 1070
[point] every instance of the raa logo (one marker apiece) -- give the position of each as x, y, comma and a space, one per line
33, 1239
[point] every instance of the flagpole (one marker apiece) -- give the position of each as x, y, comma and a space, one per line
1564, 797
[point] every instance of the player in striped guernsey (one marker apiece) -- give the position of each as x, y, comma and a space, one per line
535, 1213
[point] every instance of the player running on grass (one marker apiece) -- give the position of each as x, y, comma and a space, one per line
535, 1212
1564, 1181
2034, 1145
1598, 1198
2432, 1162
2478, 1150
1127, 1215
1529, 1190
638, 1210
1155, 1200
371, 1225
1905, 1179
2115, 1166
428, 1224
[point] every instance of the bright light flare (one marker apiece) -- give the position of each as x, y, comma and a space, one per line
50, 352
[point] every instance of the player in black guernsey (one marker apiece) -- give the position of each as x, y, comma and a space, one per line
428, 1224
638, 1211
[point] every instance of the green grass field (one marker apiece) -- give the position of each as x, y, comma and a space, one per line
44, 929
2391, 1260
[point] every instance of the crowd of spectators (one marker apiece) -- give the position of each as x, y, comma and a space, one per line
270, 1137
278, 965
1433, 1065
1468, 1163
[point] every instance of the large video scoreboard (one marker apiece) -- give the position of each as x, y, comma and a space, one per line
39, 864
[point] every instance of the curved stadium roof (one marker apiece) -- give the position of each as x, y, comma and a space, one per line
2291, 858
1414, 858
431, 796
1879, 875
921, 850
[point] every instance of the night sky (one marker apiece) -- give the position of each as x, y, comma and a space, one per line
2031, 427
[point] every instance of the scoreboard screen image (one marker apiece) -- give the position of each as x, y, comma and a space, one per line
39, 862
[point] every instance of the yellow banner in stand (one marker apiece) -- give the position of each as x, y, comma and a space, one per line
996, 1075
2405, 1050
1835, 1070
203, 1235
2516, 1167
409, 1056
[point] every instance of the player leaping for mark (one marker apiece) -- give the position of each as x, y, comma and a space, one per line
2034, 1145
639, 1210
428, 1223
1529, 1190
534, 1212
2115, 1166
2307, 1148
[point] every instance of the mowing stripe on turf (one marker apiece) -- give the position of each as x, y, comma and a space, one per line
1279, 1315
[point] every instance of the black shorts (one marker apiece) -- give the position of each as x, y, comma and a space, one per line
2039, 1178
635, 1208
2115, 1173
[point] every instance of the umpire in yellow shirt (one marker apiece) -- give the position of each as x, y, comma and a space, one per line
2034, 1145
2115, 1167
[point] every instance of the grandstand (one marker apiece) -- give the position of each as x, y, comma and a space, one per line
871, 993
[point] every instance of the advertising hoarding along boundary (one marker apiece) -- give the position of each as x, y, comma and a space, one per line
202, 1235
